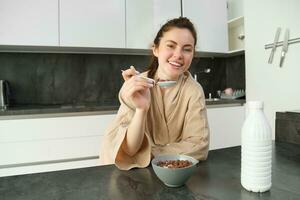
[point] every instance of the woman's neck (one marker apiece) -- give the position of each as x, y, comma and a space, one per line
162, 76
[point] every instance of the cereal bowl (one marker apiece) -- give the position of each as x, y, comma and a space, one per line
174, 170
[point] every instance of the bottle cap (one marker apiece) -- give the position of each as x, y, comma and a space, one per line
255, 104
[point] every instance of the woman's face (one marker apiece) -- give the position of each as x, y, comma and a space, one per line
175, 53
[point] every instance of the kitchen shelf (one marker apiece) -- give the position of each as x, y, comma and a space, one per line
236, 34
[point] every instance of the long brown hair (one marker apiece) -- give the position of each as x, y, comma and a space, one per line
181, 22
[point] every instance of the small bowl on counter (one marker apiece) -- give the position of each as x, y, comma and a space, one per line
174, 170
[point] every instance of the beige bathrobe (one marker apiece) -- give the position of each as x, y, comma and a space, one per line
176, 124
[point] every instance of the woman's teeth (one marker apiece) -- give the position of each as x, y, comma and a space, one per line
175, 63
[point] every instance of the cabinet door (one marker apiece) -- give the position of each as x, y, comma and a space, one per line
51, 139
165, 10
225, 126
49, 144
29, 22
144, 18
210, 20
92, 23
139, 24
235, 9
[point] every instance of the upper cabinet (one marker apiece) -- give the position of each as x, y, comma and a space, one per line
131, 24
165, 10
29, 22
210, 20
92, 23
139, 24
235, 9
144, 18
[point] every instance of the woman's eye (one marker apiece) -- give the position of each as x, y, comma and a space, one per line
187, 50
170, 45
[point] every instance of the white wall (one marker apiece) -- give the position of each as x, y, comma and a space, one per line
277, 87
235, 8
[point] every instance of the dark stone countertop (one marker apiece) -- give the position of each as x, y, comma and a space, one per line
52, 109
216, 178
89, 109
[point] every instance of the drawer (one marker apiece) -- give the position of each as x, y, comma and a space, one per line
21, 130
57, 150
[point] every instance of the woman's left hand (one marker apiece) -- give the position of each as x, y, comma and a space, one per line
127, 74
136, 89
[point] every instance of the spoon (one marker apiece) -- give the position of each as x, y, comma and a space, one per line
160, 83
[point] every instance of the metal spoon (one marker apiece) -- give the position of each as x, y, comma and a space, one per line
160, 83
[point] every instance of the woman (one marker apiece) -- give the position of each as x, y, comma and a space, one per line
153, 120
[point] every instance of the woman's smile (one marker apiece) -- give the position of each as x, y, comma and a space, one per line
175, 64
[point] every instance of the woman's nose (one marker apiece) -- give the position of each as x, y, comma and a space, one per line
178, 53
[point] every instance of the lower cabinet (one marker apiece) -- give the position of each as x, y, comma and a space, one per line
225, 126
48, 144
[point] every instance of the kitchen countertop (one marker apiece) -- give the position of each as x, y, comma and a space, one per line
40, 111
216, 178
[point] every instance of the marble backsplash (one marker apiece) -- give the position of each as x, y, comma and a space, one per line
49, 78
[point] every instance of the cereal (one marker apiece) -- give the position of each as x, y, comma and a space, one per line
174, 163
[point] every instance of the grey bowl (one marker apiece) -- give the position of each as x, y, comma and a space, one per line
173, 177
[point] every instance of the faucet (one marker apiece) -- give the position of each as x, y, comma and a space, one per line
206, 71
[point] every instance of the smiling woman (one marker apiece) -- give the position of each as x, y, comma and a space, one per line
160, 120
174, 55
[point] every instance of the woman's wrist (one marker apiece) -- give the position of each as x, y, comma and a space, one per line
141, 110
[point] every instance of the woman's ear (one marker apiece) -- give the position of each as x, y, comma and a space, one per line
155, 50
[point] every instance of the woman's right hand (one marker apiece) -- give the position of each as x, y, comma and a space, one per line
136, 89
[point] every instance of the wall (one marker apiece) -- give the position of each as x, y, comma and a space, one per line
277, 87
61, 79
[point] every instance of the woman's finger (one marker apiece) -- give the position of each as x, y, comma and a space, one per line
131, 89
136, 88
136, 80
127, 74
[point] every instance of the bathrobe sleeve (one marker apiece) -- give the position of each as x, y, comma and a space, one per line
195, 132
111, 149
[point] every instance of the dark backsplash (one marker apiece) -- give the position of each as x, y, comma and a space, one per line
47, 79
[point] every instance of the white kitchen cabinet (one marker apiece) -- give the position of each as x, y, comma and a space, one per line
225, 126
210, 20
144, 18
165, 10
47, 144
235, 9
29, 22
92, 23
139, 24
